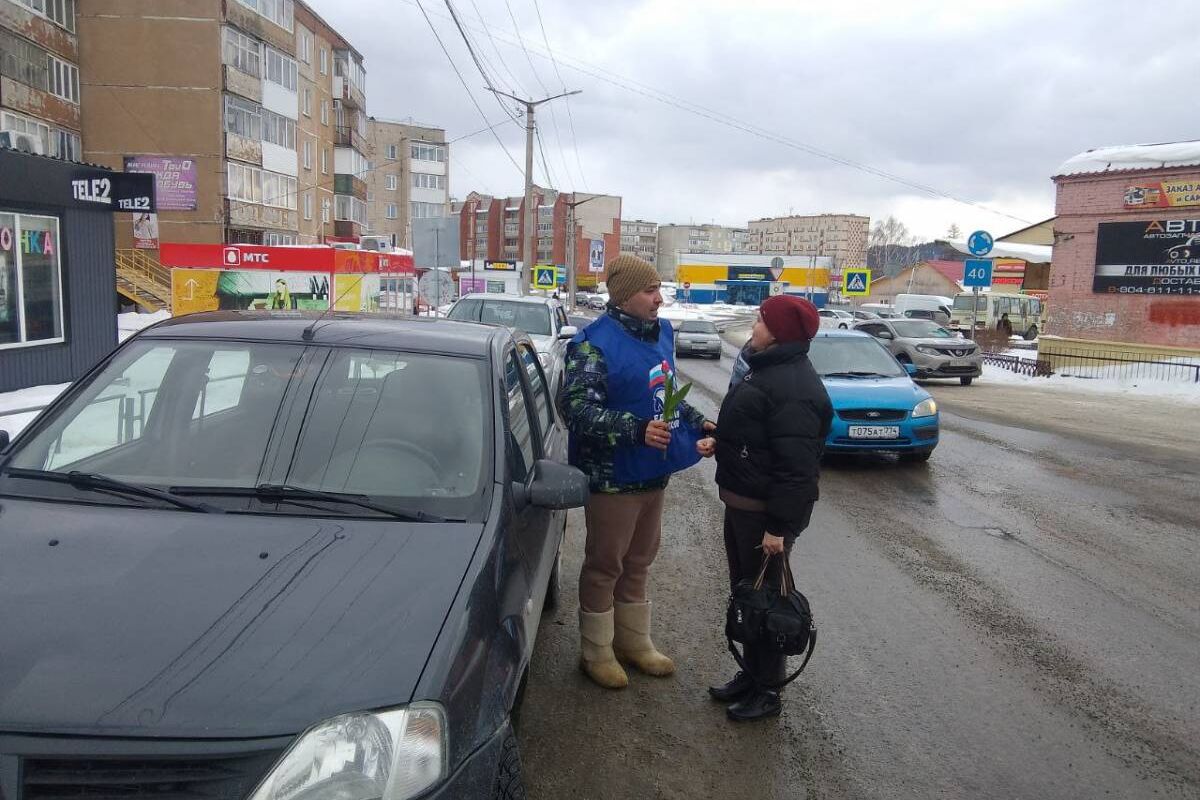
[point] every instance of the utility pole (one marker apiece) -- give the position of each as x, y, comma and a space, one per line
530, 253
572, 280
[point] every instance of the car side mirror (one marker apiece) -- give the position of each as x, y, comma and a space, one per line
557, 486
885, 335
568, 332
911, 369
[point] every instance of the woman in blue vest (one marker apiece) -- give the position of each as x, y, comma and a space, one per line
612, 398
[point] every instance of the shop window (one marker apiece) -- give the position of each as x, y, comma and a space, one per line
31, 309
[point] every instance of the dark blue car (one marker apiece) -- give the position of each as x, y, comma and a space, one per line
877, 406
277, 557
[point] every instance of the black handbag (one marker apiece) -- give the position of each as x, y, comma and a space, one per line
779, 620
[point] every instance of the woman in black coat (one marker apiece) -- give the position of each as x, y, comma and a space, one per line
769, 439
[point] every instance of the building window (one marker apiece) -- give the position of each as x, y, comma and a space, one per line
243, 118
307, 107
243, 52
308, 205
429, 152
432, 210
422, 180
325, 211
324, 112
253, 185
281, 12
325, 161
370, 196
347, 208
308, 154
392, 212
272, 239
278, 130
391, 182
64, 80
60, 12
30, 281
281, 69
279, 191
305, 47
393, 152
324, 61
55, 142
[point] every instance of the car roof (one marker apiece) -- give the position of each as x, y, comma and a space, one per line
339, 328
842, 334
514, 298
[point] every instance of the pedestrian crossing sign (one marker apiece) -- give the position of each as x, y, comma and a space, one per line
545, 277
856, 282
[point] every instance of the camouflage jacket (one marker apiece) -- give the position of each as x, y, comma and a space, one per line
597, 429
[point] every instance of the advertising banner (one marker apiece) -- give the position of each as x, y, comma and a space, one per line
194, 290
356, 292
145, 231
1163, 194
174, 180
1155, 257
467, 285
596, 256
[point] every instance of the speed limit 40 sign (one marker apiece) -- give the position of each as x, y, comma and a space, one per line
977, 272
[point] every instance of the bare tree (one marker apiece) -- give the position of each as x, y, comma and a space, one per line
892, 237
955, 232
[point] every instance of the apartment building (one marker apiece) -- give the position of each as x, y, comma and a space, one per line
39, 77
676, 239
251, 114
640, 238
409, 177
843, 237
492, 229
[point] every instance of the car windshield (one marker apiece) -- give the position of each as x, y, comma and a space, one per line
963, 302
920, 329
697, 326
223, 415
832, 355
532, 318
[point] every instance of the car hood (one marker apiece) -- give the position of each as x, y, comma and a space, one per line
541, 342
140, 622
956, 344
892, 393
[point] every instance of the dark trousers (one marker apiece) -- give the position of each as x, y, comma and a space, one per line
743, 548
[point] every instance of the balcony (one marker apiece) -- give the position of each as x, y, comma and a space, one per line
350, 95
346, 136
351, 185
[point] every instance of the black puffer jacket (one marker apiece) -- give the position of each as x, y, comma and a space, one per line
771, 434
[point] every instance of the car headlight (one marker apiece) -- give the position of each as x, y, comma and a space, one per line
384, 755
928, 350
925, 408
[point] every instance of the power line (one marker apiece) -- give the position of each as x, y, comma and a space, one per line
632, 85
463, 81
570, 116
545, 88
545, 164
487, 78
516, 83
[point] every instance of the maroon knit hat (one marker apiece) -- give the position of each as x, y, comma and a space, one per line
790, 318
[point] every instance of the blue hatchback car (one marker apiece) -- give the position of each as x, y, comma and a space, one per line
877, 407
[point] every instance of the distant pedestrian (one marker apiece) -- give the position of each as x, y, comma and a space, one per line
769, 440
612, 399
1004, 326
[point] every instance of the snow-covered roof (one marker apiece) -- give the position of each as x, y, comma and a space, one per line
1132, 157
1033, 253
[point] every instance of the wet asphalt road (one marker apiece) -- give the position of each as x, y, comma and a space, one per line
1019, 618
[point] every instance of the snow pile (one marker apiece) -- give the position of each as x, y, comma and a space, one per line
1115, 387
1132, 156
678, 313
36, 397
130, 323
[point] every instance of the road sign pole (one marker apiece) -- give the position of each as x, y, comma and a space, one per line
974, 309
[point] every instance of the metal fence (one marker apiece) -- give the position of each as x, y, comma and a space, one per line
1102, 363
1036, 367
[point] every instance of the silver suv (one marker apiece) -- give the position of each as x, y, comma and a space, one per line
935, 351
543, 318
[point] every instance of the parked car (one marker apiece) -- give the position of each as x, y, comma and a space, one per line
938, 316
934, 351
832, 319
925, 302
295, 553
597, 302
695, 337
859, 314
543, 318
581, 298
877, 407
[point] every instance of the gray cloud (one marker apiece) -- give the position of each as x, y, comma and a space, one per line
982, 100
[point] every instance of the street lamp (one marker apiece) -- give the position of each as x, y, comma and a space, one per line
571, 279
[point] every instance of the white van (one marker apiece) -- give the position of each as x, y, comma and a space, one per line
938, 307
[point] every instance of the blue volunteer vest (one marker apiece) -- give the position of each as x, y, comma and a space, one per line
636, 384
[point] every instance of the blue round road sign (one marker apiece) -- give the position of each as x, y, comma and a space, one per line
980, 243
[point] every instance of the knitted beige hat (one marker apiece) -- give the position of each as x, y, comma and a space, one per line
628, 275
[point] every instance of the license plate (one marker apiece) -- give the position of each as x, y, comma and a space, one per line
874, 431
960, 362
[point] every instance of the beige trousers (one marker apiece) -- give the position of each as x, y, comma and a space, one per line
623, 532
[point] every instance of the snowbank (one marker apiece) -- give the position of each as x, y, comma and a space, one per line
1116, 387
35, 397
1133, 156
130, 323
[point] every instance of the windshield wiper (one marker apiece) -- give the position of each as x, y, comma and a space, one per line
93, 481
855, 374
298, 494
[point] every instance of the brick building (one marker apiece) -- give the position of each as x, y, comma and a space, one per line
1126, 271
842, 237
409, 179
640, 238
493, 229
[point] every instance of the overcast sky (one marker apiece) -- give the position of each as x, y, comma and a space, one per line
982, 104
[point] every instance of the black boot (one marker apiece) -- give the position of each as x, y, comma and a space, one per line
734, 690
762, 702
